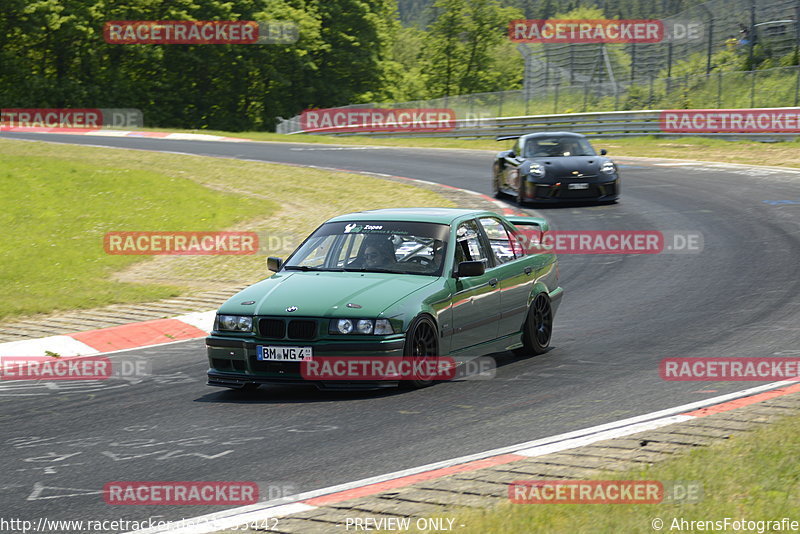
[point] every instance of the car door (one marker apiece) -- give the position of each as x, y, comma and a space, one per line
515, 274
475, 300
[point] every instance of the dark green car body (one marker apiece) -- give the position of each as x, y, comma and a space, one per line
472, 315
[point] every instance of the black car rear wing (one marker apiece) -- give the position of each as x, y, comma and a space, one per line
506, 137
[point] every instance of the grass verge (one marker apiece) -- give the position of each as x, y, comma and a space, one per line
753, 476
58, 201
782, 154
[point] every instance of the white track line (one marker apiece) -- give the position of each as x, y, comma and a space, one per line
208, 523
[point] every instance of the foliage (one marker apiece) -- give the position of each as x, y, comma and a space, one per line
53, 55
466, 48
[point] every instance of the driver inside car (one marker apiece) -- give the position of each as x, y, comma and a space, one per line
378, 254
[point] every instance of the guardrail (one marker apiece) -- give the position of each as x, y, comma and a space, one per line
599, 124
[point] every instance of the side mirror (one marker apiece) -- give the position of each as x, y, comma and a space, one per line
470, 268
512, 154
603, 151
274, 264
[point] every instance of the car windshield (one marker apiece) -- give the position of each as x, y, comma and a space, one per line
544, 147
375, 246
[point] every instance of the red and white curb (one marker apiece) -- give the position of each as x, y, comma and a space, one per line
370, 486
127, 336
127, 133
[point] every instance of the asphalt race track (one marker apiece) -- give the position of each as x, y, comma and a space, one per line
620, 316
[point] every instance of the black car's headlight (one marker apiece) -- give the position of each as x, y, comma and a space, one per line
234, 323
536, 170
360, 326
608, 168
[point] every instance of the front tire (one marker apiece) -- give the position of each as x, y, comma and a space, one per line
520, 198
422, 342
496, 181
538, 327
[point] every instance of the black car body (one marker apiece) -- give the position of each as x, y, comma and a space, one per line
551, 167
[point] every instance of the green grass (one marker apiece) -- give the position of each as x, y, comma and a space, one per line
55, 214
57, 202
754, 476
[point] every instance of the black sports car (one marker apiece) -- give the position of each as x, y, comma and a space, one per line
554, 167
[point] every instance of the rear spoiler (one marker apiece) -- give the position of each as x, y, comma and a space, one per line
531, 233
506, 137
522, 221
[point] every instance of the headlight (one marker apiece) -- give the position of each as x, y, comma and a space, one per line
235, 323
360, 326
608, 168
344, 326
536, 170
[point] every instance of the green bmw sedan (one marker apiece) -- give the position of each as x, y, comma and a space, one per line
407, 284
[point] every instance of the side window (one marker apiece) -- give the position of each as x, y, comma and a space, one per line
502, 246
517, 242
468, 243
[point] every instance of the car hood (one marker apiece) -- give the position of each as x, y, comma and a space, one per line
565, 166
325, 294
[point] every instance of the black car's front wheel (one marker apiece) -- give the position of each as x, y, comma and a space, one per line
520, 193
421, 343
538, 327
496, 180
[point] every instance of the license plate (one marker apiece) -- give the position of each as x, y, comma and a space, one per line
579, 186
282, 354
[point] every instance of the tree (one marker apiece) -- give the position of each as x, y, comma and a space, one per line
462, 41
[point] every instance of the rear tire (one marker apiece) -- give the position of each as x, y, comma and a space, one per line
538, 327
422, 342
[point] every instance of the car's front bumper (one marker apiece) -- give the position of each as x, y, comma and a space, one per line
596, 191
233, 364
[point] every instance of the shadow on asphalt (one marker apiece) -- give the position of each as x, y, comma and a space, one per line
564, 205
301, 393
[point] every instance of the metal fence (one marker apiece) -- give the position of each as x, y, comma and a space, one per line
598, 124
748, 30
778, 87
719, 38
